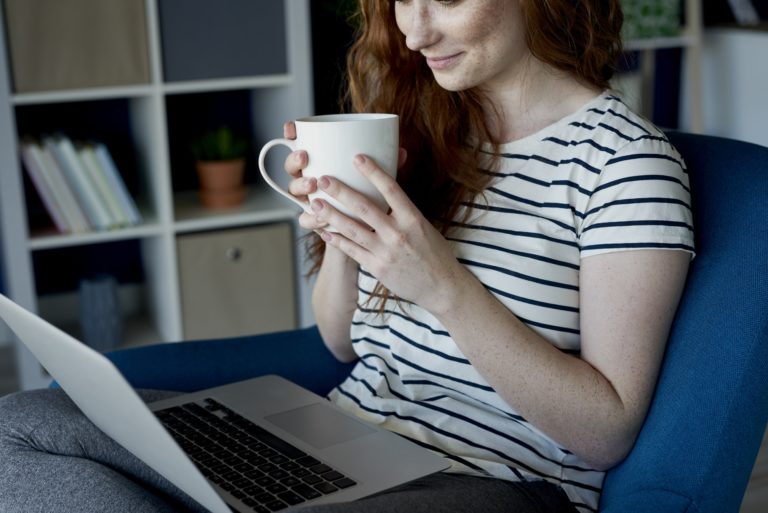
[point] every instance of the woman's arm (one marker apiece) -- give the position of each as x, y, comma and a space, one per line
592, 405
334, 299
595, 404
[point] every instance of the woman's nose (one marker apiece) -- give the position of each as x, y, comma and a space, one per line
420, 32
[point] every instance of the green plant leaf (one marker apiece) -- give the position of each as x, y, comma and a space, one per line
219, 144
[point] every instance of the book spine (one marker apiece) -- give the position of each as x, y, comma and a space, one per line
113, 175
44, 187
93, 205
75, 215
87, 156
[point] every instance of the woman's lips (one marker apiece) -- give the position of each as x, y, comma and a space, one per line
439, 63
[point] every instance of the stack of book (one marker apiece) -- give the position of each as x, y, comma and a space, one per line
79, 185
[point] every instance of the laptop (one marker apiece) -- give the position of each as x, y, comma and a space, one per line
263, 444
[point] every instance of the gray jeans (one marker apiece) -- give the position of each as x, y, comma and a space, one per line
53, 459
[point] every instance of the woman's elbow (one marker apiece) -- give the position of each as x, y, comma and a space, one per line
607, 459
610, 451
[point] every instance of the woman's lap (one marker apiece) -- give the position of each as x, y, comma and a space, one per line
52, 458
452, 493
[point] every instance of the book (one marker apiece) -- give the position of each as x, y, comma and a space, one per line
118, 185
71, 209
63, 152
40, 180
118, 216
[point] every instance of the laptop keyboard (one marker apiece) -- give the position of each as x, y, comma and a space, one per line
261, 470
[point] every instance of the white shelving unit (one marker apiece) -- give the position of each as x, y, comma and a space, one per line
167, 212
690, 39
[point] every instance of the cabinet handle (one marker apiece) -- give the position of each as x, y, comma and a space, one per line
234, 254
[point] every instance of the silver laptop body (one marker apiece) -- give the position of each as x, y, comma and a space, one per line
373, 458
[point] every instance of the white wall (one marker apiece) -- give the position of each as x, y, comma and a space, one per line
734, 75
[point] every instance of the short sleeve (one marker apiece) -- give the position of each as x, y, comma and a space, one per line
641, 200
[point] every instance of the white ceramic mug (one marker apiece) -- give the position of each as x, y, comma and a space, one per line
331, 142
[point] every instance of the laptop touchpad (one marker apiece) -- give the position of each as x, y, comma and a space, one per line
319, 425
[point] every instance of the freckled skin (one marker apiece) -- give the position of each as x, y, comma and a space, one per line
485, 36
481, 44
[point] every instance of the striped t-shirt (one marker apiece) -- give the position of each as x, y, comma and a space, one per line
600, 180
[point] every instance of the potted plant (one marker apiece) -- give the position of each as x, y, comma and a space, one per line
220, 164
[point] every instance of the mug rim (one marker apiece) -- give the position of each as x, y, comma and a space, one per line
348, 118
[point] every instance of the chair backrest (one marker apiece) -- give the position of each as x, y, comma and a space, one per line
696, 450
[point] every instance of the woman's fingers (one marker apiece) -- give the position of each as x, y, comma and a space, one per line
361, 207
355, 203
302, 186
386, 185
311, 222
356, 237
289, 130
296, 162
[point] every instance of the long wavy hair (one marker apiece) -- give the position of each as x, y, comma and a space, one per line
581, 37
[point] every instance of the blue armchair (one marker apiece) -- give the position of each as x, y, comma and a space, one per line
696, 450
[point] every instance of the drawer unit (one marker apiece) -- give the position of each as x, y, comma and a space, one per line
237, 282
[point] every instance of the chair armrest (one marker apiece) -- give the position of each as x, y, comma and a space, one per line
654, 499
298, 355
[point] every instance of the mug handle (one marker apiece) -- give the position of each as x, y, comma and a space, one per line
290, 143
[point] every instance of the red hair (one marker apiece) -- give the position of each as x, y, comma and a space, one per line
581, 37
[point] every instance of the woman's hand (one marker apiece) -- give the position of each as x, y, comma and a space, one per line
400, 248
300, 186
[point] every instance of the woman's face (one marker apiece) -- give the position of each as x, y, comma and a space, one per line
466, 43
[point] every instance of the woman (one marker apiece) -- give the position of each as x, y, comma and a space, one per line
509, 310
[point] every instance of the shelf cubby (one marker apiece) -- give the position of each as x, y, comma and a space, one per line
114, 122
147, 125
76, 44
205, 40
190, 115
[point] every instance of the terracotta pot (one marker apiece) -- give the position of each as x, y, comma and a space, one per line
221, 183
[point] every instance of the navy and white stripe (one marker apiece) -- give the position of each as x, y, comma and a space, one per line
600, 180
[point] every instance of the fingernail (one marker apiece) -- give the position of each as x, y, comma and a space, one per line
359, 160
323, 182
325, 236
317, 206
